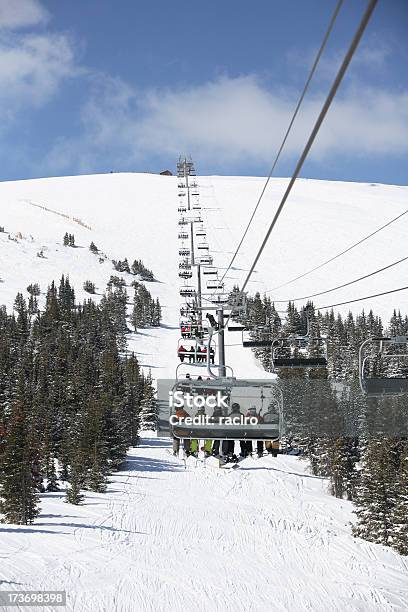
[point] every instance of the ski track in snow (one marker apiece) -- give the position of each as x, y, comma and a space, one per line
265, 536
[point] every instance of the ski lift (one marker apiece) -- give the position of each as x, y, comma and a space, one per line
183, 236
197, 352
263, 339
206, 260
187, 291
294, 352
184, 252
218, 298
215, 284
390, 385
247, 410
185, 274
185, 264
187, 310
210, 271
192, 329
203, 246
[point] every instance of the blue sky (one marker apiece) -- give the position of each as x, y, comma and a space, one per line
97, 85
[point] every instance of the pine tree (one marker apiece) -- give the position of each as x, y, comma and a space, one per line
399, 539
376, 492
148, 414
73, 494
18, 487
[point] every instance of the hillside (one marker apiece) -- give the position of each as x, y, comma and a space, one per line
265, 536
167, 536
135, 216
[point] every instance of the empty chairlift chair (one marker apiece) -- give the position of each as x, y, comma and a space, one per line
384, 372
299, 352
209, 271
215, 284
256, 337
205, 260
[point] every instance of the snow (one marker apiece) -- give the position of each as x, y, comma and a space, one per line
265, 536
135, 216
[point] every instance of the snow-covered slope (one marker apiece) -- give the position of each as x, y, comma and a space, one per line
135, 216
264, 537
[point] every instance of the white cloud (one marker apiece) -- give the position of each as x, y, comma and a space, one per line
32, 66
21, 13
230, 120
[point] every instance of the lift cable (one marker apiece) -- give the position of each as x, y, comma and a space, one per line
367, 297
333, 90
339, 254
299, 103
356, 280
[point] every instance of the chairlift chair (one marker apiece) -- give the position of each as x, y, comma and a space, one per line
283, 350
263, 396
218, 298
185, 264
185, 274
182, 209
215, 284
210, 271
205, 260
187, 291
184, 252
183, 236
203, 246
387, 386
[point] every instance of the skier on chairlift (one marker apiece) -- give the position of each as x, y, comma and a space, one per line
212, 321
228, 446
246, 445
271, 416
191, 354
181, 352
216, 416
181, 413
